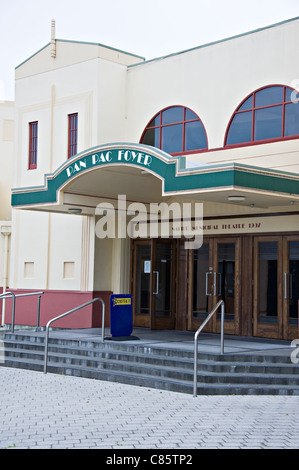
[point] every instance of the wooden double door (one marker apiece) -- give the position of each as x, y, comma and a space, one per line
214, 274
258, 279
256, 276
276, 287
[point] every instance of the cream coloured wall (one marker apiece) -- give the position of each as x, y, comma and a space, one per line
6, 177
47, 251
212, 81
96, 90
6, 157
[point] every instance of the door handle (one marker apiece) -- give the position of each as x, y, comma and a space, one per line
215, 284
207, 283
157, 282
285, 286
219, 285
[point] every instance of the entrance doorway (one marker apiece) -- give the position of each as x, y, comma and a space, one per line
276, 287
153, 283
215, 275
257, 277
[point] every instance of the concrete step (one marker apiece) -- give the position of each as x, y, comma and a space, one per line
101, 354
156, 367
173, 370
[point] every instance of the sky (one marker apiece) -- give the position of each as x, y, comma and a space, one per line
149, 28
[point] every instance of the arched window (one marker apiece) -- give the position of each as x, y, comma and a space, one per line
175, 130
267, 114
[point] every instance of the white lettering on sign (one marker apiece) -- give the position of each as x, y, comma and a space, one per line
76, 167
103, 158
134, 157
125, 156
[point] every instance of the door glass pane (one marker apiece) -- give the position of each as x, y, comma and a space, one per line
267, 298
162, 280
225, 283
294, 282
143, 276
202, 281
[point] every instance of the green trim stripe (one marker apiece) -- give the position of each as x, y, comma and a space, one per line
173, 172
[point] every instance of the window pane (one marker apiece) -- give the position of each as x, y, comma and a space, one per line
190, 115
291, 126
248, 104
170, 115
155, 121
268, 123
143, 279
151, 137
268, 96
240, 128
293, 282
200, 306
33, 131
226, 280
195, 136
289, 96
73, 134
267, 303
172, 138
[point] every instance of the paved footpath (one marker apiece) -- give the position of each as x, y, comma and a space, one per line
52, 411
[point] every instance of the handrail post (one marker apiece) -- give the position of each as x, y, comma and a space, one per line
13, 295
103, 319
222, 329
195, 366
64, 315
12, 328
38, 311
221, 302
46, 348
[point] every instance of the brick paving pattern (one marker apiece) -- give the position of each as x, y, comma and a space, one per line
63, 412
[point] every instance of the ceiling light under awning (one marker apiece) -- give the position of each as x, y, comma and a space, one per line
236, 198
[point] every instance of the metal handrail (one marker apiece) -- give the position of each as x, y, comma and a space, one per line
13, 295
221, 302
64, 315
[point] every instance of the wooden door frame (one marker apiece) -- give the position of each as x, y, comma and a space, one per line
140, 320
267, 330
231, 327
194, 323
149, 321
163, 323
289, 331
214, 325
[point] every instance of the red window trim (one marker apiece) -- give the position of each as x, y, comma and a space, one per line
183, 122
253, 109
72, 134
33, 142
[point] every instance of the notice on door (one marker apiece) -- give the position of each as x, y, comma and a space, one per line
147, 267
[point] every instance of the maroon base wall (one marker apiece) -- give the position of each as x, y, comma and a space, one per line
54, 303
